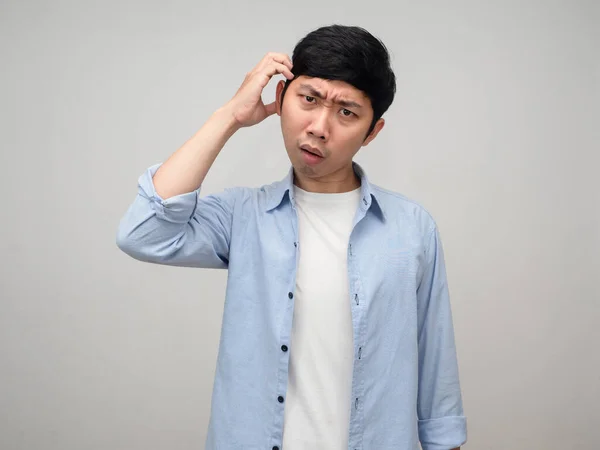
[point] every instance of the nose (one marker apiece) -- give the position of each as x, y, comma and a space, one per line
319, 125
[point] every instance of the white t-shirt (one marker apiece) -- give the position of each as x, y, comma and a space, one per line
318, 399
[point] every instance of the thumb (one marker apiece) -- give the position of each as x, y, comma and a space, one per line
271, 108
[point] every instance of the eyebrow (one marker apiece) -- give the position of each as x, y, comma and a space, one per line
314, 93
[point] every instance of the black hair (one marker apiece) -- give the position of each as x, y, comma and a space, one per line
350, 54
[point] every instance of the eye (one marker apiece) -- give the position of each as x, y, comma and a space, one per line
309, 99
347, 112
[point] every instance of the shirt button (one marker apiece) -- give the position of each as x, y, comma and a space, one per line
290, 295
280, 399
284, 348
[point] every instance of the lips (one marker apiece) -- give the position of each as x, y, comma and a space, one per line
313, 150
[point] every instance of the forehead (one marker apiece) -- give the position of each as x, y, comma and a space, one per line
331, 89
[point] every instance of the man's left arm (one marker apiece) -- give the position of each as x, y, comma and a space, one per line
441, 421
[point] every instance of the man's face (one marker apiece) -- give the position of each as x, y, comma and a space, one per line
330, 118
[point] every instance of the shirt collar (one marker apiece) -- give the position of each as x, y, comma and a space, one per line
368, 197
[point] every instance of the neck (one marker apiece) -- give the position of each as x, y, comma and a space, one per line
342, 180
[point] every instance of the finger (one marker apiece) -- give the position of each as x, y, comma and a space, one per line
281, 58
265, 75
284, 59
277, 67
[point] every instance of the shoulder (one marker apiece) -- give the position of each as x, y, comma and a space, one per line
404, 211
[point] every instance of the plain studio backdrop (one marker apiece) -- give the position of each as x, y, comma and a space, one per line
494, 129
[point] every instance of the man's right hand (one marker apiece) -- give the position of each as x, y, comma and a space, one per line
247, 106
186, 169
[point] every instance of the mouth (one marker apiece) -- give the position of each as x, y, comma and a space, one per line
312, 150
311, 155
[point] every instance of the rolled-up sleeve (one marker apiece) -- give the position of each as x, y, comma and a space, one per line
441, 421
183, 230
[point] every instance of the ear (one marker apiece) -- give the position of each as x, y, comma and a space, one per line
376, 129
278, 92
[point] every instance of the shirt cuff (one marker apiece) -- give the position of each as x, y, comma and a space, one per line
445, 433
177, 209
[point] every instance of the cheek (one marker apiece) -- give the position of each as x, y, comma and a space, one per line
293, 121
288, 131
352, 136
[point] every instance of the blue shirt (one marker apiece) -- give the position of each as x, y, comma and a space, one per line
405, 383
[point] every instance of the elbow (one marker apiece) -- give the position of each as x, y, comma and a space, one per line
125, 242
139, 245
128, 244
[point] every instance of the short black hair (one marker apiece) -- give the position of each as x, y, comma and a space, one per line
350, 54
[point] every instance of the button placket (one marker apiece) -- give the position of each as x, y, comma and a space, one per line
356, 287
285, 337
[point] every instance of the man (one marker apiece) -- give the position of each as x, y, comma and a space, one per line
337, 330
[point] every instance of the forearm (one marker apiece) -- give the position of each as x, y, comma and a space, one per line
185, 170
442, 424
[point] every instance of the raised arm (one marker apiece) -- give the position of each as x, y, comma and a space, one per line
168, 223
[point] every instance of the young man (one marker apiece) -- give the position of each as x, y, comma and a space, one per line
337, 329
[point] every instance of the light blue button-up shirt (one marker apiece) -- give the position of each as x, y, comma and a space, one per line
405, 383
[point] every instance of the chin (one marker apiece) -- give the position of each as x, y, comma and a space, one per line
304, 169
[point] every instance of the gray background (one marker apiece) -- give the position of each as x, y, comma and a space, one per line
494, 130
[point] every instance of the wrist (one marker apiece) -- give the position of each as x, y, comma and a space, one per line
225, 115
